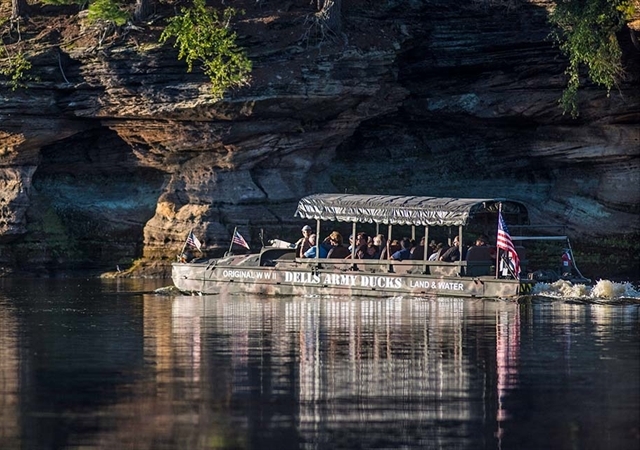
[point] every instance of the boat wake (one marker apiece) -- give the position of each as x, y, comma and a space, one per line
602, 291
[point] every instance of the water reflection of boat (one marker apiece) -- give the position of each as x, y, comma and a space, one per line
278, 271
347, 362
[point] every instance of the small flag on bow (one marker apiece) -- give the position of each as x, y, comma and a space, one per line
239, 240
505, 243
193, 241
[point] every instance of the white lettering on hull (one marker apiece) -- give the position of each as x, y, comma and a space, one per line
341, 279
252, 274
381, 282
301, 277
449, 286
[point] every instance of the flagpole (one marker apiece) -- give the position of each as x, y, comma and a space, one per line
232, 236
498, 248
185, 244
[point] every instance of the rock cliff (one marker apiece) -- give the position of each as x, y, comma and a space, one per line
114, 152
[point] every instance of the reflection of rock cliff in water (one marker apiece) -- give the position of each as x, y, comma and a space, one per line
444, 100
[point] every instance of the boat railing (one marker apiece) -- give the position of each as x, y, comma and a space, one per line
440, 268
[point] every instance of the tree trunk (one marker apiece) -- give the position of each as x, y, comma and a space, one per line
143, 10
332, 11
18, 8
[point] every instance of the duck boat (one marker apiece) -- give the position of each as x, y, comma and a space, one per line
277, 270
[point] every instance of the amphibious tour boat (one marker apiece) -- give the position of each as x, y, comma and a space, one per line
487, 271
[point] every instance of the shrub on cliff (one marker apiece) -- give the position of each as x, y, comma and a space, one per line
586, 32
202, 36
109, 11
15, 68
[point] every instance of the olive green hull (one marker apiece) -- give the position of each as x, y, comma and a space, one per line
292, 278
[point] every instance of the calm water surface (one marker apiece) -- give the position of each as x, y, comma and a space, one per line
90, 364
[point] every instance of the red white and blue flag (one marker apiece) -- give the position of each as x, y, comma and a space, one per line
238, 239
505, 243
193, 241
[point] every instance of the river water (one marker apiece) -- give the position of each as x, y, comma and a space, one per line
97, 364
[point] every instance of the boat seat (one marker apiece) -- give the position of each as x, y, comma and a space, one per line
445, 270
407, 268
417, 253
477, 253
479, 261
338, 252
271, 256
337, 264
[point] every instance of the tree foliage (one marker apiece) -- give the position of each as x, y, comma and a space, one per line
202, 36
109, 11
16, 68
64, 2
14, 65
586, 33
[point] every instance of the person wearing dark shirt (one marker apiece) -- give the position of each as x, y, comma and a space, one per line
453, 254
405, 251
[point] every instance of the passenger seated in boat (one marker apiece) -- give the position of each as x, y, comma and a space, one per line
439, 249
302, 244
390, 249
381, 242
480, 250
337, 249
405, 251
373, 252
361, 239
361, 252
483, 242
417, 252
432, 248
311, 252
453, 254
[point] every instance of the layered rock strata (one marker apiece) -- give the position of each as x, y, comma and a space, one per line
116, 152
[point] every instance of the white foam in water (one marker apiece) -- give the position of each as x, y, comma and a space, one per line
604, 289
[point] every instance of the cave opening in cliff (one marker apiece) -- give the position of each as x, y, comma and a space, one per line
90, 201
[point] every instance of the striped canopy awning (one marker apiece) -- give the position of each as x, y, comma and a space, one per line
403, 210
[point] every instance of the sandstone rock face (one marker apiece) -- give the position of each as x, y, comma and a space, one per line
116, 152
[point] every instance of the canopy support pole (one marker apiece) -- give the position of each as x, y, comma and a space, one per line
317, 241
388, 247
425, 247
353, 245
460, 249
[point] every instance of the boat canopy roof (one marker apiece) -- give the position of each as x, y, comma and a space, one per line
404, 210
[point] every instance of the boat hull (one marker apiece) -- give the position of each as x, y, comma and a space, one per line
208, 278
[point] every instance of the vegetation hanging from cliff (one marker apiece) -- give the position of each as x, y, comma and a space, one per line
109, 11
202, 36
586, 33
16, 68
14, 64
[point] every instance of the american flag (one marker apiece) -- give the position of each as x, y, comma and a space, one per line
505, 243
193, 241
238, 239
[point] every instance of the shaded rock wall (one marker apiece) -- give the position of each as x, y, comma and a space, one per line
122, 152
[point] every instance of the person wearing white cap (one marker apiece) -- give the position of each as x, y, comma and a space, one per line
303, 244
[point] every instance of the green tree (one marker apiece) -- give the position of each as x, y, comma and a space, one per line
15, 68
18, 8
586, 33
109, 11
201, 35
142, 10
